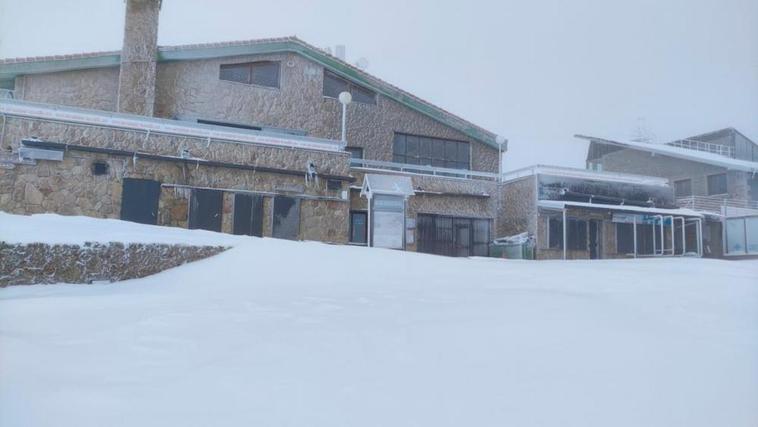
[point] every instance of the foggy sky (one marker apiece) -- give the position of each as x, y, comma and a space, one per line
536, 72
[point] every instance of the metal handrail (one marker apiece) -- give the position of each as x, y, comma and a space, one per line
707, 147
719, 205
422, 170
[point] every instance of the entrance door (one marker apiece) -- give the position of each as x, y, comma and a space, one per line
594, 239
139, 200
462, 228
248, 214
387, 221
205, 209
286, 218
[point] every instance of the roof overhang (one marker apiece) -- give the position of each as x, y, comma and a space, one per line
389, 185
561, 204
680, 153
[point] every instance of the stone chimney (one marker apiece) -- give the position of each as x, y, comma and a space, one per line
136, 83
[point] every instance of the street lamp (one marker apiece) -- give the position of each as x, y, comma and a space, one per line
344, 98
500, 140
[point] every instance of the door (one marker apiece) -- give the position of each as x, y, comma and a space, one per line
205, 209
462, 240
248, 215
286, 218
139, 200
594, 239
388, 221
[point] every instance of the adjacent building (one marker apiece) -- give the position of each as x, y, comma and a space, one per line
715, 174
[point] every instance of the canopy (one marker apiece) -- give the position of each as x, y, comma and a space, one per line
390, 185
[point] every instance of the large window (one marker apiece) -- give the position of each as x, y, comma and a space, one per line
742, 236
334, 85
262, 73
358, 227
624, 238
427, 151
445, 235
683, 188
576, 234
717, 184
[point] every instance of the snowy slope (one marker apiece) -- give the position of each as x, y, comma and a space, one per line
76, 230
278, 333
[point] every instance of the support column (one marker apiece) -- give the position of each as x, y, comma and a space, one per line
564, 233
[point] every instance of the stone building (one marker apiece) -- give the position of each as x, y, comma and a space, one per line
715, 173
243, 137
582, 214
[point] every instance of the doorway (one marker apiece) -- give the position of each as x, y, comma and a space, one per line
248, 215
139, 200
205, 209
594, 238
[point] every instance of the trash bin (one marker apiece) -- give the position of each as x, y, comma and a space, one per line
518, 246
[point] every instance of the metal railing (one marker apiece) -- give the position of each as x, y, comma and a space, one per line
422, 170
719, 205
707, 147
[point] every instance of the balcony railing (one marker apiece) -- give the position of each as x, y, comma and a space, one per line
423, 170
719, 205
707, 147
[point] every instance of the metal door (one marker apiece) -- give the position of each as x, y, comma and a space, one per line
139, 200
594, 239
205, 209
286, 218
248, 214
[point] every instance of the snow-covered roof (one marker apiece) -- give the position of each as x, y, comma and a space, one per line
585, 174
680, 153
561, 204
392, 185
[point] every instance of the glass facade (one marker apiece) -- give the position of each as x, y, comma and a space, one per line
427, 151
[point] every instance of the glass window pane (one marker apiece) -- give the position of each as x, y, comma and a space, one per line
451, 150
358, 227
463, 152
717, 184
411, 146
424, 150
398, 146
333, 85
735, 236
266, 73
235, 73
361, 94
555, 230
355, 152
438, 149
751, 224
683, 188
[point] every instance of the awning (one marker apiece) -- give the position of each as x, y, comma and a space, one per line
561, 204
390, 185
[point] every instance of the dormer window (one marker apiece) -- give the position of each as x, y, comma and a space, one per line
261, 73
334, 85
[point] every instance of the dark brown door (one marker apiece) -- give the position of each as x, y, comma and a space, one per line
139, 200
205, 209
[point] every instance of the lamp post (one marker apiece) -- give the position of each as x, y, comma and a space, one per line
500, 140
344, 98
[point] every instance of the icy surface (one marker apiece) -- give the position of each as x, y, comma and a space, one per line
278, 333
76, 230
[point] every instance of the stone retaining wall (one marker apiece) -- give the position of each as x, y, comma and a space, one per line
40, 263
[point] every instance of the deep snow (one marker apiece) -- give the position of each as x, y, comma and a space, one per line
279, 333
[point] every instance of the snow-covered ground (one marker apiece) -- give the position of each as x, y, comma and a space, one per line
278, 333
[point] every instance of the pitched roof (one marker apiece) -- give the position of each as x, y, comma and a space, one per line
680, 153
12, 67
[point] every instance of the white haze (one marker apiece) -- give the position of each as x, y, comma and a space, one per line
536, 72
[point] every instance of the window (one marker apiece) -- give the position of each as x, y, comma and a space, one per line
427, 151
742, 236
683, 188
576, 234
624, 238
717, 184
453, 236
333, 184
262, 73
334, 85
99, 168
358, 227
355, 152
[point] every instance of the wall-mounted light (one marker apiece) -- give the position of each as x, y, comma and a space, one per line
345, 98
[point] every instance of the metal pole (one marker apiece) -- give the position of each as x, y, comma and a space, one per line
700, 237
344, 123
684, 236
634, 231
564, 233
370, 225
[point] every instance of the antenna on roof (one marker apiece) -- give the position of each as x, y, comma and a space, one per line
642, 133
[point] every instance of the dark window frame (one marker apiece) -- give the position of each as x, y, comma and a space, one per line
717, 191
365, 227
678, 183
360, 93
353, 150
624, 238
251, 73
577, 233
411, 149
100, 168
437, 234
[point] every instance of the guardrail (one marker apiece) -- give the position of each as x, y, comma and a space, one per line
708, 147
423, 170
719, 205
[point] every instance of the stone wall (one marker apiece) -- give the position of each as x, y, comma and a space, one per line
517, 211
39, 263
69, 187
